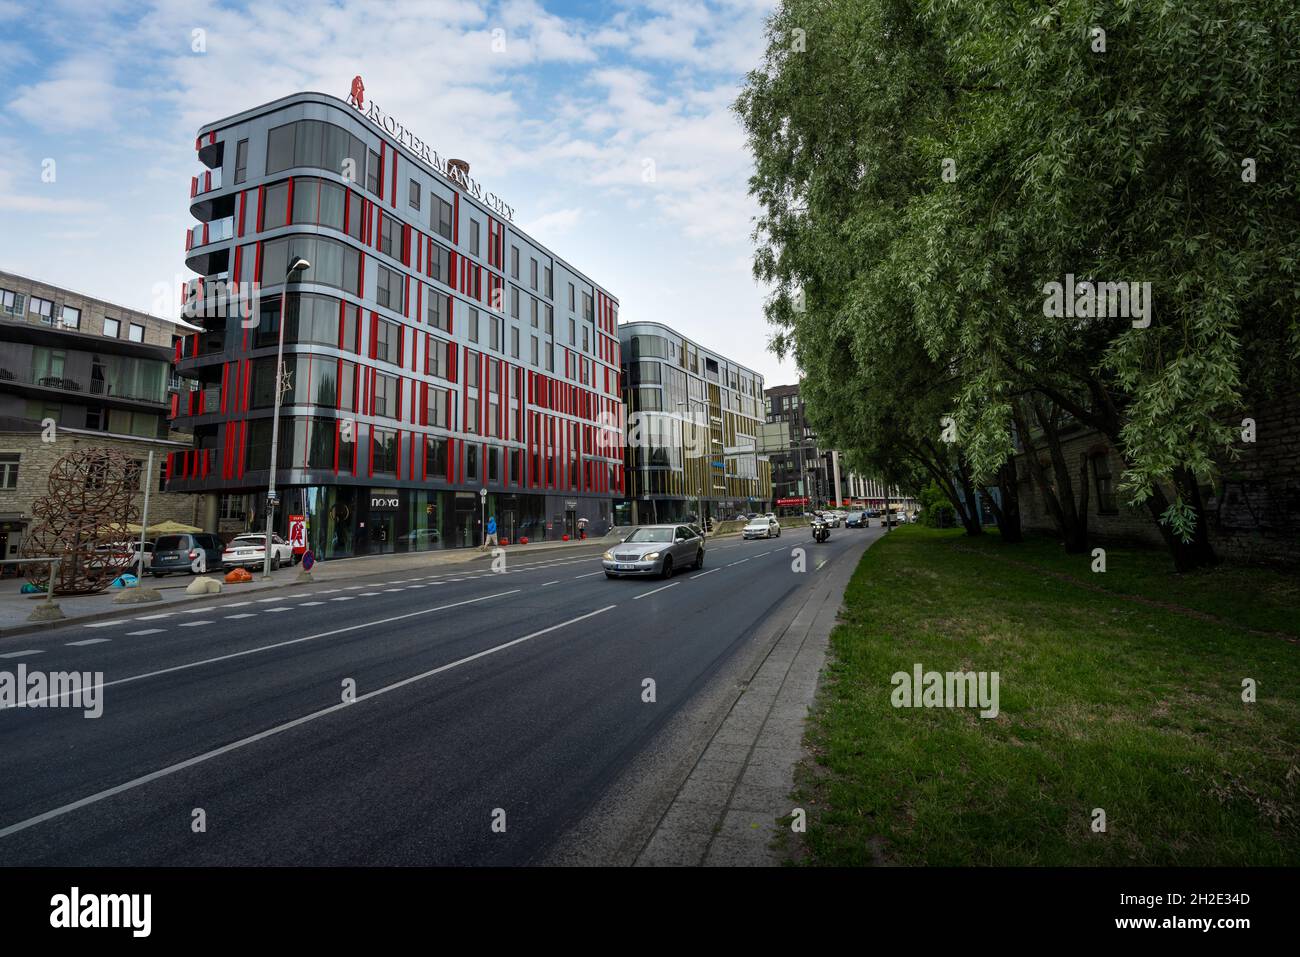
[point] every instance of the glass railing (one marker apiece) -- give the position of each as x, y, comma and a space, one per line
214, 232
205, 182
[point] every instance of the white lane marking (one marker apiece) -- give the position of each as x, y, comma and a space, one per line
262, 601
271, 611
364, 594
647, 594
741, 562
702, 574
196, 611
235, 604
588, 575
556, 582
194, 624
345, 598
308, 604
417, 586
165, 614
279, 644
288, 725
19, 654
87, 641
104, 624
247, 614
389, 590
353, 587
822, 564
146, 631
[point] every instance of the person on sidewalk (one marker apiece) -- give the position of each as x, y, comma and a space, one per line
491, 540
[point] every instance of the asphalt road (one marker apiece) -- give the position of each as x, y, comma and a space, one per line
476, 693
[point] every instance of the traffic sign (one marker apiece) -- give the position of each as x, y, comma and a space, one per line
308, 560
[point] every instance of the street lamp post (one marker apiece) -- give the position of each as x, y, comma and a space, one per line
298, 265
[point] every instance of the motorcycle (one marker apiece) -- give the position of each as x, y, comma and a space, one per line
821, 530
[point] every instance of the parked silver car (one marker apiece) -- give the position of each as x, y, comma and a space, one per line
655, 550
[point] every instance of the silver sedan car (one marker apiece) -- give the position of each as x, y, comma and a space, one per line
655, 550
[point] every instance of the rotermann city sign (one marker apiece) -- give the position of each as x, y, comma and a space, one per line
427, 155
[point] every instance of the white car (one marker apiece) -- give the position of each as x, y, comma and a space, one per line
249, 551
765, 527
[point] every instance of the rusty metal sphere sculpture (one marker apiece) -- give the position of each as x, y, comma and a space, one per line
89, 504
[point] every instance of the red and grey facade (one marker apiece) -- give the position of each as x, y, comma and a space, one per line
432, 349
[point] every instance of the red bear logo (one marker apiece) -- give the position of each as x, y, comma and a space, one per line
358, 92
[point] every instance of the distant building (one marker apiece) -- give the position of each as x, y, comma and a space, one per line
804, 475
89, 374
692, 430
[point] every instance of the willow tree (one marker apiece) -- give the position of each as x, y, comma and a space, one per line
927, 170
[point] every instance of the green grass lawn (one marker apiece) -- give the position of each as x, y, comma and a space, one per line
1105, 703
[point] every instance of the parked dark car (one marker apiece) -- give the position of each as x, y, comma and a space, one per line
186, 554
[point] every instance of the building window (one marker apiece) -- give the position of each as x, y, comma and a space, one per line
9, 469
472, 320
514, 341
532, 272
436, 408
435, 458
473, 237
413, 194
10, 302
438, 311
374, 171
573, 330
549, 293
241, 161
471, 419
232, 506
533, 352
471, 462
586, 307
390, 231
43, 308
572, 301
514, 302
388, 289
440, 217
385, 446
586, 344
112, 327
385, 395
514, 262
494, 341
532, 311
135, 332
1106, 504
388, 337
439, 266
436, 359
550, 320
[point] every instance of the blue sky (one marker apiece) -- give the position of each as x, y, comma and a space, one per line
563, 122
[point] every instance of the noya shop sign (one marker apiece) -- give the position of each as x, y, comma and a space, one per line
427, 155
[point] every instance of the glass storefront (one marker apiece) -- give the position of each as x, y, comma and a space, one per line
347, 521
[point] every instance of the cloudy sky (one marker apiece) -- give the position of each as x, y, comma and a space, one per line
606, 124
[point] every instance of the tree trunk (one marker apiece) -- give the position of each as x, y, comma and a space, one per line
1008, 513
970, 516
1074, 531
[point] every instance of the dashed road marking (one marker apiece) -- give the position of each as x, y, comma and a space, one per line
87, 641
308, 604
194, 624
702, 574
247, 614
146, 631
19, 654
647, 594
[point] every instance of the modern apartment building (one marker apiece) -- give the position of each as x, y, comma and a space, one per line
693, 419
79, 372
433, 349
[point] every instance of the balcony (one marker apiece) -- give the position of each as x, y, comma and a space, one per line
205, 182
214, 232
94, 387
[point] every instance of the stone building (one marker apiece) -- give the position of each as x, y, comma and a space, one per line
1254, 509
79, 372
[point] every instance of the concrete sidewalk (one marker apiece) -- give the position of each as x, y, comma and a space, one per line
15, 607
725, 813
